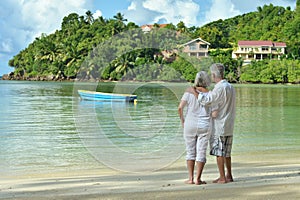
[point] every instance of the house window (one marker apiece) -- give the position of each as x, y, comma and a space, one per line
258, 56
203, 46
265, 48
201, 54
193, 47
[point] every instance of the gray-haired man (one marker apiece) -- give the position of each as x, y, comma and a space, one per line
223, 99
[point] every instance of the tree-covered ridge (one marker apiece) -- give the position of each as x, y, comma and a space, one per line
62, 52
73, 51
269, 22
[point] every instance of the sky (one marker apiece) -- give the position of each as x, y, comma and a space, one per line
21, 21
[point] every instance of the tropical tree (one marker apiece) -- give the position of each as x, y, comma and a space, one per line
89, 17
181, 27
120, 17
124, 63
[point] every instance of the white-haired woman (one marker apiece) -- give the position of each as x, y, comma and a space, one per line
196, 125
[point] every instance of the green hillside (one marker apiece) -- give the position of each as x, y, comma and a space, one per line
126, 53
267, 23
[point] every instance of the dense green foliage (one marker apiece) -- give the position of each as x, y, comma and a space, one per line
272, 71
112, 49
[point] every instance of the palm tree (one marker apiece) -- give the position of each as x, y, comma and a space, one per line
123, 64
89, 17
46, 48
118, 23
120, 17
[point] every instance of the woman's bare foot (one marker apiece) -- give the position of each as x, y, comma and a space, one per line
199, 182
221, 181
189, 182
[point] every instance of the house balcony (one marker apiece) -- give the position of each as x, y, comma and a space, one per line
195, 50
257, 56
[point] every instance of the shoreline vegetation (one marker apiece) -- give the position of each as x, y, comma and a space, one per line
116, 50
10, 77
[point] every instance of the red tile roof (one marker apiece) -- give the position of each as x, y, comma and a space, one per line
260, 43
279, 44
151, 25
255, 43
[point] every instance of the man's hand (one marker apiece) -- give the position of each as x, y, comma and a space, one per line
193, 91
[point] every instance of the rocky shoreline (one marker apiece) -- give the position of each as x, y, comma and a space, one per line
13, 76
16, 77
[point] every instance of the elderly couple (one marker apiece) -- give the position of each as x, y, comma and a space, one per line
209, 117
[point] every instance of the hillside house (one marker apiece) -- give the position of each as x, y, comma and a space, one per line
148, 27
259, 50
197, 48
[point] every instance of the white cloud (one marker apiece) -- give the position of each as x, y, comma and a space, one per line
23, 20
193, 12
6, 45
221, 9
132, 6
138, 14
170, 11
251, 5
45, 16
97, 14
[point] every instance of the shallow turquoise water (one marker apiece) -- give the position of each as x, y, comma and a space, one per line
45, 127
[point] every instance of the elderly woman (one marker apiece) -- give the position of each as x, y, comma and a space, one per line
196, 124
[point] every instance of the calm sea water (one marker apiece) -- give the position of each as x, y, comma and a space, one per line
45, 127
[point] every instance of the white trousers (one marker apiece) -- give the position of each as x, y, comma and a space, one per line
196, 141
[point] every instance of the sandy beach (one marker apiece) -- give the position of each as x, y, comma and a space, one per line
259, 179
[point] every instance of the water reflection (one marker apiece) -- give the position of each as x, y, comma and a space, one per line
266, 117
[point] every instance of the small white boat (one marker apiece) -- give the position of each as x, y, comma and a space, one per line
101, 96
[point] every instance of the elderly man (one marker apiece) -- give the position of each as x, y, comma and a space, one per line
223, 99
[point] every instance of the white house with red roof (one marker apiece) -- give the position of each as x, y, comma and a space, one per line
148, 27
259, 50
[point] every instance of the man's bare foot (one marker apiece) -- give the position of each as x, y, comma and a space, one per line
221, 181
189, 182
229, 178
199, 182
